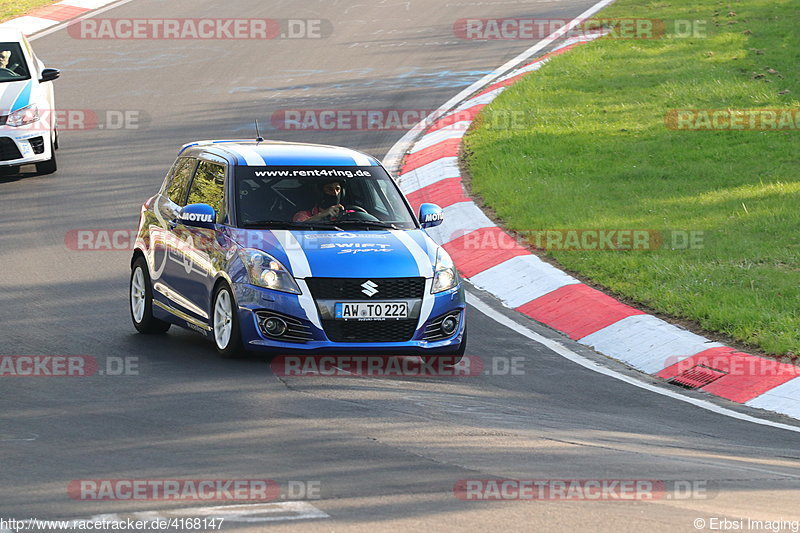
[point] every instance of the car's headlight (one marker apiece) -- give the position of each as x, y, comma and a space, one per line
23, 116
266, 271
445, 275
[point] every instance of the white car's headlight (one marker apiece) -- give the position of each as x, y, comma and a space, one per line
266, 271
26, 115
445, 275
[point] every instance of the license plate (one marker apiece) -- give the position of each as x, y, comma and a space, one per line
369, 310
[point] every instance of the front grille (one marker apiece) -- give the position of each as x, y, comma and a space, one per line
296, 330
369, 330
8, 149
3, 120
351, 288
433, 331
37, 143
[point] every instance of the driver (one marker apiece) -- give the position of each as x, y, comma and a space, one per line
5, 56
328, 205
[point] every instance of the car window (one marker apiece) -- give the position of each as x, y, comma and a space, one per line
208, 187
178, 181
294, 194
13, 66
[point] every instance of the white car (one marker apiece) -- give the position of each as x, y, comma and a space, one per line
28, 132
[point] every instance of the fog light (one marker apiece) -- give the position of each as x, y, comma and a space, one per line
449, 324
274, 326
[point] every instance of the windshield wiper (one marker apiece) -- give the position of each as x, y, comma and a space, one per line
284, 224
373, 223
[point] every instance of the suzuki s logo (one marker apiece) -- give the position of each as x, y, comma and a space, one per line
369, 288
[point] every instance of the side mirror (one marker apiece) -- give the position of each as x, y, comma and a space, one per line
198, 216
430, 215
49, 74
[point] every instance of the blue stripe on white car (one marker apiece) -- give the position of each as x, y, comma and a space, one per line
23, 98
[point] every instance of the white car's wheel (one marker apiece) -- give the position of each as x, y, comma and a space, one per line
225, 323
48, 167
141, 300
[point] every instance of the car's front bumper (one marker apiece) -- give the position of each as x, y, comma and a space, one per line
252, 300
24, 145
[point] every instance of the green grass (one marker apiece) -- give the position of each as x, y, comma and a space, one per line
593, 151
19, 7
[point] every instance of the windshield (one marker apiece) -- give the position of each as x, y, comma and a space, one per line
12, 63
337, 197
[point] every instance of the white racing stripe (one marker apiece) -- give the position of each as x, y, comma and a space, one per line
427, 303
298, 262
360, 159
565, 352
307, 303
425, 270
420, 256
251, 157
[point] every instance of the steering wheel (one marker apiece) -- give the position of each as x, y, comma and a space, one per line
357, 212
9, 71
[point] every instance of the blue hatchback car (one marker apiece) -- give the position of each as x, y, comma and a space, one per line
288, 247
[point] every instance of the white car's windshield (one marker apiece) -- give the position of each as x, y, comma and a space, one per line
339, 197
12, 63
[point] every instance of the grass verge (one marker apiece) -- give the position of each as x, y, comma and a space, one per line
19, 7
593, 149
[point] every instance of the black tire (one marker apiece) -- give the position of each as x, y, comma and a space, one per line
147, 324
48, 167
233, 349
55, 140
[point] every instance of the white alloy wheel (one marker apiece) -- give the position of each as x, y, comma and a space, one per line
223, 319
138, 294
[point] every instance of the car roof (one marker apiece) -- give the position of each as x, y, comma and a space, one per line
10, 35
280, 153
